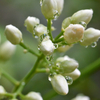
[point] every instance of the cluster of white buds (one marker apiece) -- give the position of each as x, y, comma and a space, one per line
32, 96
76, 18
46, 46
6, 50
51, 8
81, 97
67, 69
2, 92
13, 34
75, 25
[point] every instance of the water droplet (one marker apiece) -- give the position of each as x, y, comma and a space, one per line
49, 58
58, 65
41, 2
94, 44
56, 14
34, 35
38, 47
23, 83
69, 80
81, 40
25, 51
42, 37
86, 46
83, 24
49, 78
56, 45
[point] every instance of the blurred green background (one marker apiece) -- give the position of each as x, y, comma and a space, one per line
15, 12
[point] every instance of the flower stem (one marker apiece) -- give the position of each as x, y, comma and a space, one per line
89, 70
59, 40
59, 35
29, 50
27, 78
9, 77
49, 29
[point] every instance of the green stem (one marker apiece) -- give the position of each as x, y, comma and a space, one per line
59, 40
9, 77
42, 70
30, 74
89, 70
59, 35
49, 29
29, 50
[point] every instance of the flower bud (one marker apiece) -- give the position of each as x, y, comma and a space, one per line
52, 8
2, 92
82, 15
74, 75
66, 22
40, 29
90, 35
47, 47
31, 22
6, 50
33, 96
64, 48
81, 97
13, 34
69, 66
73, 33
59, 84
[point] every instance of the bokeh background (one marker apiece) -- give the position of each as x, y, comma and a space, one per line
15, 12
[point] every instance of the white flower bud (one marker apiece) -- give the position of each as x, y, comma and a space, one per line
69, 66
73, 33
74, 75
13, 34
81, 97
51, 8
6, 50
82, 15
31, 22
40, 29
90, 35
66, 22
47, 47
33, 96
2, 92
59, 84
64, 48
